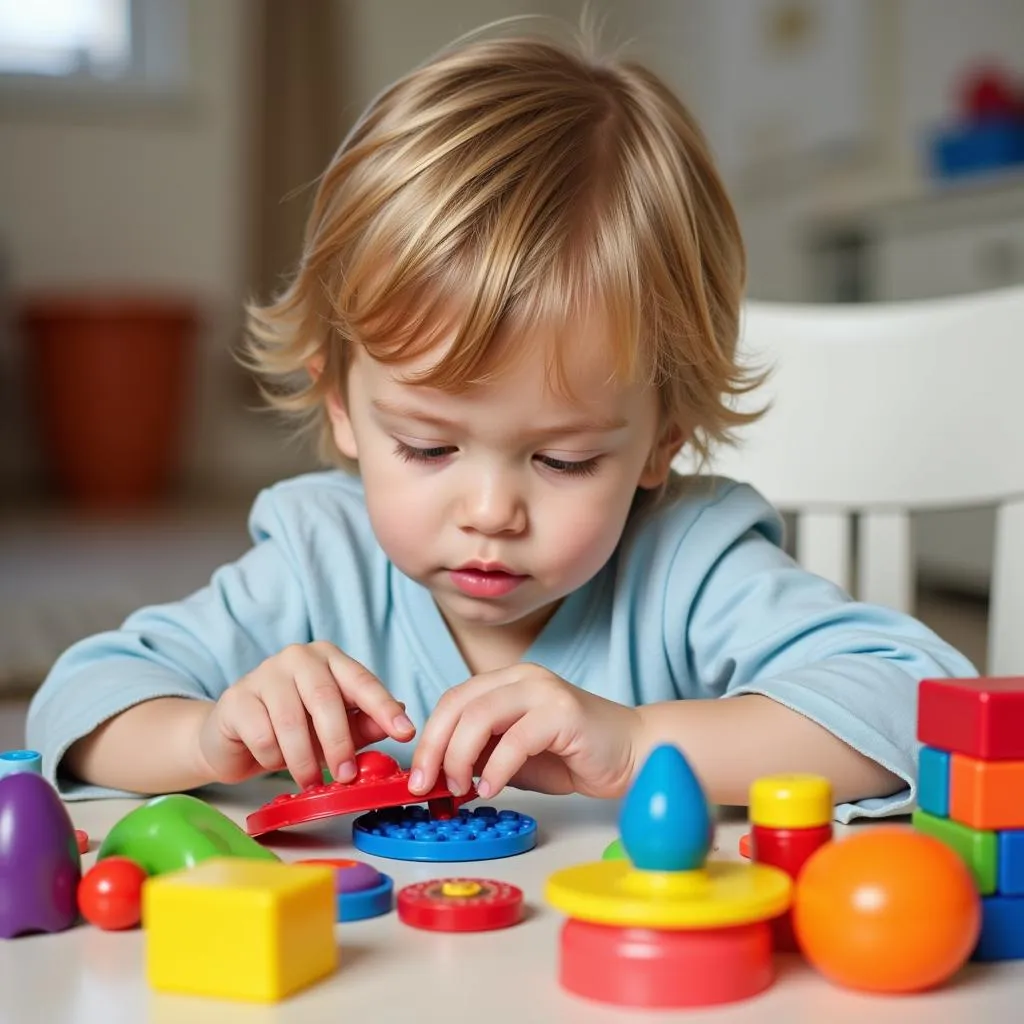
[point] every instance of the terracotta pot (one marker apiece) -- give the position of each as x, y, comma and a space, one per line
109, 380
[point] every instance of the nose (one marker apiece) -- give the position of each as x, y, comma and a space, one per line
493, 503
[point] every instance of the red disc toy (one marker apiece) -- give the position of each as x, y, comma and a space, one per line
381, 782
460, 905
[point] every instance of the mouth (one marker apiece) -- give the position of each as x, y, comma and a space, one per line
486, 579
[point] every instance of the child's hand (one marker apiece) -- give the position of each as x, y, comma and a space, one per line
309, 706
525, 725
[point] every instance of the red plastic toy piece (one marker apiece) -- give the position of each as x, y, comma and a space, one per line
110, 894
658, 968
82, 839
745, 845
381, 782
980, 717
787, 849
460, 905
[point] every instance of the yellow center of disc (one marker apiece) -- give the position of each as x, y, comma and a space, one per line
460, 889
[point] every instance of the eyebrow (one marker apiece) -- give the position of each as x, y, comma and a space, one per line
598, 426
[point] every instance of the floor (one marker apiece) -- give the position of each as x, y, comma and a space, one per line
962, 622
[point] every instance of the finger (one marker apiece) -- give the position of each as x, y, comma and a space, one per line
486, 716
365, 731
292, 728
361, 687
251, 723
528, 737
322, 699
437, 732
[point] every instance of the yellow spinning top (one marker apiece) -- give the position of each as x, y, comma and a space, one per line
666, 830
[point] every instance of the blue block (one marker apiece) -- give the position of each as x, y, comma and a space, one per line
1010, 862
1002, 929
364, 903
933, 781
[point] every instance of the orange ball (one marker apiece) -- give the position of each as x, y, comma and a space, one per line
888, 910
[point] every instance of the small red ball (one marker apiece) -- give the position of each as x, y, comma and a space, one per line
110, 894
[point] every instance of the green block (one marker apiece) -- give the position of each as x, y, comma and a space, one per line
178, 831
979, 848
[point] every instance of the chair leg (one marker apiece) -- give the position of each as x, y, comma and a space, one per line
885, 560
1006, 601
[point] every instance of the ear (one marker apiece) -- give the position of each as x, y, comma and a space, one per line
659, 462
337, 412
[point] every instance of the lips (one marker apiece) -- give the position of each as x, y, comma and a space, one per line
486, 579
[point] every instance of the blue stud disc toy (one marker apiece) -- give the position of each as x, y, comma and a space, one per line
409, 833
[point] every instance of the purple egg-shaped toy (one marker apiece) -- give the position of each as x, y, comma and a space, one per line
40, 865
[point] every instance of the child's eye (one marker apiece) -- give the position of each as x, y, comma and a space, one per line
585, 467
411, 454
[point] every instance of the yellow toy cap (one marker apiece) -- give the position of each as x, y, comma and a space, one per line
613, 892
791, 801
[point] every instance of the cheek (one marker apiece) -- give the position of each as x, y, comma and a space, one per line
582, 535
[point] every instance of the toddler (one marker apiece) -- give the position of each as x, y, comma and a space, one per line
517, 303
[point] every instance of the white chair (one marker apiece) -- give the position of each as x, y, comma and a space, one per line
881, 410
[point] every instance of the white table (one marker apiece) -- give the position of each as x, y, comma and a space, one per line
391, 972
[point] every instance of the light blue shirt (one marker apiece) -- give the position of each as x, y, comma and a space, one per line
699, 600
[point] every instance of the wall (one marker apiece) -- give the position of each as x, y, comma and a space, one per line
137, 194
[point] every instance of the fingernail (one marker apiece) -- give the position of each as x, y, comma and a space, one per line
483, 789
416, 780
402, 723
453, 786
346, 772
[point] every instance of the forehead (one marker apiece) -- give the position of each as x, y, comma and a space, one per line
574, 364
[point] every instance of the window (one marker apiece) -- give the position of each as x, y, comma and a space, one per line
65, 37
93, 46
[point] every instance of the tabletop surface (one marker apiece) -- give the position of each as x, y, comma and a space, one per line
391, 972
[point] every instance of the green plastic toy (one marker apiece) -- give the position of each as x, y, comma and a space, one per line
614, 851
178, 831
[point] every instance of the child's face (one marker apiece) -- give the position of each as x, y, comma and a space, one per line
503, 499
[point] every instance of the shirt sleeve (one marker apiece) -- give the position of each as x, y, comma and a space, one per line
761, 624
195, 648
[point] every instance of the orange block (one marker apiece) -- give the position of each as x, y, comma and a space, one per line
986, 794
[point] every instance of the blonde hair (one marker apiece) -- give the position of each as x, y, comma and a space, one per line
517, 181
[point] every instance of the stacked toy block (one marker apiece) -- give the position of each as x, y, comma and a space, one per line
971, 794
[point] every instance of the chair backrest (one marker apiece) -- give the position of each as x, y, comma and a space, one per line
879, 410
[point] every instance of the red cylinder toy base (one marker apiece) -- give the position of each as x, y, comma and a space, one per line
655, 968
788, 849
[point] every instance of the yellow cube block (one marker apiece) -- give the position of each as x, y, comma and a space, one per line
237, 928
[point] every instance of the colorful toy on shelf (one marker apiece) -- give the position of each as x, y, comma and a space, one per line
361, 890
971, 784
40, 865
15, 761
178, 831
409, 833
110, 894
460, 905
237, 928
886, 910
667, 927
380, 782
791, 818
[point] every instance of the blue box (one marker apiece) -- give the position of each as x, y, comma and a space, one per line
933, 781
977, 148
1010, 862
1002, 929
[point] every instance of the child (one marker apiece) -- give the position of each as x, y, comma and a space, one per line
518, 301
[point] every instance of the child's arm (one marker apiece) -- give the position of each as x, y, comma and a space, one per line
225, 682
730, 743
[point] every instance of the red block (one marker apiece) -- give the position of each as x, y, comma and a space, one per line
980, 717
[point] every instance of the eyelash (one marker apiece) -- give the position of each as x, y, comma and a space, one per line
408, 453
